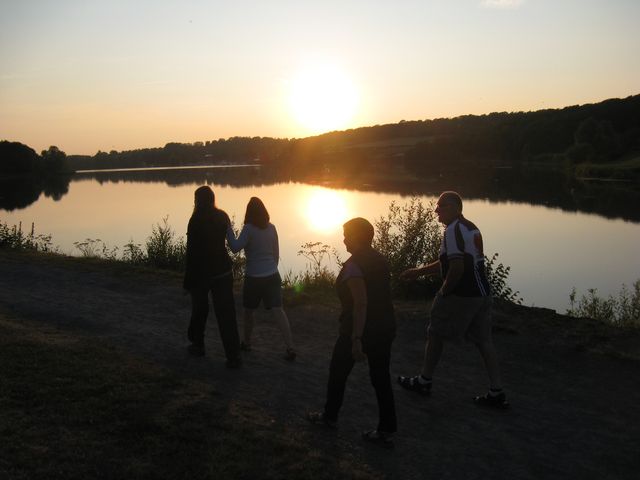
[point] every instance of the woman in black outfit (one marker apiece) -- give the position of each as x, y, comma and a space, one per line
367, 327
209, 270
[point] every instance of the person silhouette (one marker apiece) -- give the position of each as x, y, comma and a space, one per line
462, 307
367, 328
262, 282
208, 270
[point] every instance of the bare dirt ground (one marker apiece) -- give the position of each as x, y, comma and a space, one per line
573, 385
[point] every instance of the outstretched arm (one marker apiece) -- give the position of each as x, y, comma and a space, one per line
426, 270
237, 244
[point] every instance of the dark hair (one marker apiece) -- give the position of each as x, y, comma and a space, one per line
256, 213
204, 200
360, 229
452, 197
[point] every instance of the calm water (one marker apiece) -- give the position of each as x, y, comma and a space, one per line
549, 250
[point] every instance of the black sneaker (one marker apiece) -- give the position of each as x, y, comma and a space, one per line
492, 401
196, 350
319, 418
413, 384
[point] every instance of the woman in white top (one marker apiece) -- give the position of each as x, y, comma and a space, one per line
262, 281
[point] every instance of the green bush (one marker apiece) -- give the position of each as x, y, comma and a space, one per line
623, 310
497, 274
408, 236
163, 250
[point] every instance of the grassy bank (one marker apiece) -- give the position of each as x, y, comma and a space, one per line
73, 408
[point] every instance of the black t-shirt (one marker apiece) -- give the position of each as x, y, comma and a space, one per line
207, 255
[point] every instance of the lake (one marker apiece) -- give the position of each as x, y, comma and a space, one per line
549, 250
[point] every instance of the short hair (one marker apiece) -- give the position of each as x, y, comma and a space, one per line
256, 213
359, 228
452, 197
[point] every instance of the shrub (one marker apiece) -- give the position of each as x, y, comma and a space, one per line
317, 276
163, 249
238, 260
623, 310
408, 236
13, 237
133, 253
96, 248
497, 274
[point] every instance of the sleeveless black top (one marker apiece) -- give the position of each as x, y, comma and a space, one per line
380, 320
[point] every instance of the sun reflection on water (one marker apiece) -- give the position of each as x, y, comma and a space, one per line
325, 210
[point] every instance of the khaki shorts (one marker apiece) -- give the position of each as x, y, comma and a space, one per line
455, 318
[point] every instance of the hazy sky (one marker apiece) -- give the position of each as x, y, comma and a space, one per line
91, 75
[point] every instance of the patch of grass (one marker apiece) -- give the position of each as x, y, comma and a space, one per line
622, 310
318, 280
14, 238
72, 408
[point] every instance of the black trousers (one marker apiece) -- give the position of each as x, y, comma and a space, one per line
225, 309
378, 357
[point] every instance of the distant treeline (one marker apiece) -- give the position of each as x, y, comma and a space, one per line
589, 140
233, 150
19, 159
572, 138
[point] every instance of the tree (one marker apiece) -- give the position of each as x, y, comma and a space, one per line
54, 160
17, 158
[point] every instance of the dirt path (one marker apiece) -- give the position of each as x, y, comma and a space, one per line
575, 413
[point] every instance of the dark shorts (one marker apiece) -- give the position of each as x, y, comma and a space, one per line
456, 318
265, 289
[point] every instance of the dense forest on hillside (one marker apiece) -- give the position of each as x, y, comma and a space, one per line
578, 158
588, 140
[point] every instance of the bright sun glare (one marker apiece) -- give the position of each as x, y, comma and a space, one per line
323, 98
325, 210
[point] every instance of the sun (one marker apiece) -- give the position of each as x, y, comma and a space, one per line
322, 98
325, 210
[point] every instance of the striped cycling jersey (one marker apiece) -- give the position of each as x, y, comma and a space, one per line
463, 240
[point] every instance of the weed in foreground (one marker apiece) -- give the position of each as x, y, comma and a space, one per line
623, 310
13, 237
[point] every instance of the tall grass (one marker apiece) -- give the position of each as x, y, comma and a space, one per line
14, 238
162, 249
408, 235
622, 310
318, 276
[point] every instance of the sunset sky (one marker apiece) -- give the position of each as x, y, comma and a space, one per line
90, 75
